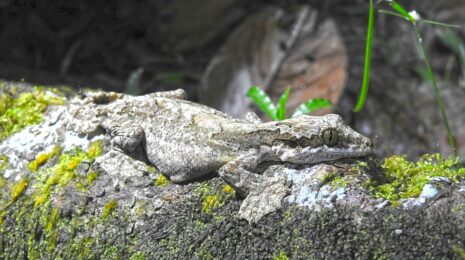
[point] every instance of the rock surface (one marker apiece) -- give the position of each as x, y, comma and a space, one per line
91, 201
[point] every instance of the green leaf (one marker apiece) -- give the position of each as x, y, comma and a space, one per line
263, 101
281, 112
368, 49
312, 105
170, 77
422, 73
456, 26
133, 82
453, 41
402, 11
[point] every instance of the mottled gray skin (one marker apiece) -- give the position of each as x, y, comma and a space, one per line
185, 140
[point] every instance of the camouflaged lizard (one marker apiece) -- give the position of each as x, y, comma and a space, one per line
186, 140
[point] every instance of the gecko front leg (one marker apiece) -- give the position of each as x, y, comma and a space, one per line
239, 173
126, 138
253, 118
178, 93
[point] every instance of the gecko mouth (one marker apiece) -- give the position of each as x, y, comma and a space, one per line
310, 155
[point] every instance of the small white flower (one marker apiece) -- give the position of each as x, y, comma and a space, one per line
415, 15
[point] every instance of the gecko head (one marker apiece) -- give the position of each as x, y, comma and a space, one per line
312, 139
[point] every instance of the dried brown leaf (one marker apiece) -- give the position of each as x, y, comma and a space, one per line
275, 49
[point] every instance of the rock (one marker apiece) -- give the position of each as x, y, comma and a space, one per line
265, 200
429, 191
110, 207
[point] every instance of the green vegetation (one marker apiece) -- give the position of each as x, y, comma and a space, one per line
204, 254
334, 179
137, 256
339, 182
263, 101
91, 176
228, 189
42, 158
151, 169
413, 18
109, 208
4, 162
19, 111
211, 199
454, 42
459, 252
211, 202
367, 65
405, 179
162, 180
64, 171
282, 256
17, 189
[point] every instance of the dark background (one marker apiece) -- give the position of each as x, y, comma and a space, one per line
100, 43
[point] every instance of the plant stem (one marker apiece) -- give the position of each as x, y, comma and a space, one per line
368, 49
437, 94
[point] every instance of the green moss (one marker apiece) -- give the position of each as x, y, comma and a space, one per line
19, 111
203, 190
228, 189
151, 169
199, 224
288, 214
204, 254
161, 180
4, 162
111, 252
338, 182
171, 246
42, 158
91, 176
459, 252
2, 218
211, 202
213, 199
137, 256
95, 149
327, 178
405, 179
51, 221
17, 189
109, 208
334, 179
282, 256
2, 182
63, 172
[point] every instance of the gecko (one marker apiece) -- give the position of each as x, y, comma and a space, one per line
186, 140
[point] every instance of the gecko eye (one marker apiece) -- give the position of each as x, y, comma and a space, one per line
330, 137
